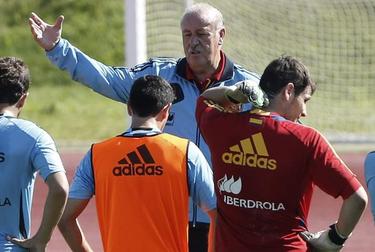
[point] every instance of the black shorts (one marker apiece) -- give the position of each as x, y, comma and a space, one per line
198, 237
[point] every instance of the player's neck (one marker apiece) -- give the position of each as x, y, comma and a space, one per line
140, 122
207, 71
9, 110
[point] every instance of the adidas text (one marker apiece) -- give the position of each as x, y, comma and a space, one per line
141, 170
249, 160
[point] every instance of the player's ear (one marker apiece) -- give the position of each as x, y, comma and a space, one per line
164, 112
221, 36
289, 91
130, 111
21, 101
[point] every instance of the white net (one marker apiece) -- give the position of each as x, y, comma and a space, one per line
335, 39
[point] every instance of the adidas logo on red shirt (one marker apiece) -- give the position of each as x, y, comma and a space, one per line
253, 154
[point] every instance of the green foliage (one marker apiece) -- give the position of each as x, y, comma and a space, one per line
94, 26
65, 109
75, 113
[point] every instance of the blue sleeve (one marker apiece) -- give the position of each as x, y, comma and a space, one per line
112, 82
82, 186
44, 156
370, 179
201, 181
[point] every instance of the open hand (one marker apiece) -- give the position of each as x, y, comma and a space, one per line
246, 91
46, 35
32, 244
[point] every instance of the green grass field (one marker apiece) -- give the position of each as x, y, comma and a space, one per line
75, 113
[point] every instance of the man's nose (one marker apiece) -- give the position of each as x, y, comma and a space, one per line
194, 40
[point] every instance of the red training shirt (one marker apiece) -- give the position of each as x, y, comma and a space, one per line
265, 168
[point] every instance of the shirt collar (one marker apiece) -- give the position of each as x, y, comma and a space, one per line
273, 115
6, 114
227, 73
142, 132
216, 76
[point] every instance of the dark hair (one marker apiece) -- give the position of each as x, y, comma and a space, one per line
149, 95
14, 79
284, 70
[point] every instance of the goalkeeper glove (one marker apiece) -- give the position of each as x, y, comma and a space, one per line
326, 240
247, 92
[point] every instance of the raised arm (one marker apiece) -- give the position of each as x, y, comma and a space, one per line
112, 82
242, 92
57, 194
44, 34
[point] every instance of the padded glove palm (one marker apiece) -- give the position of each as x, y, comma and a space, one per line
247, 92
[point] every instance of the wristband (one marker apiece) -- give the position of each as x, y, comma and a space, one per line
335, 237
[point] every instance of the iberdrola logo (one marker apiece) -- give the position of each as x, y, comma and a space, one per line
229, 185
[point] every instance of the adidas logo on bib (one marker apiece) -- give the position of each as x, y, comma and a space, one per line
139, 163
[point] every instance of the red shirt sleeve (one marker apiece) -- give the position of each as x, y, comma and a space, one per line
199, 111
329, 172
207, 113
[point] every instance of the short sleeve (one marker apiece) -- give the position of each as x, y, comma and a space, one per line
329, 172
82, 186
370, 179
44, 156
201, 182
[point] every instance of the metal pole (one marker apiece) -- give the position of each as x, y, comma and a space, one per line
135, 32
188, 3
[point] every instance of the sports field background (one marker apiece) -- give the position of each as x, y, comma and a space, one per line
334, 38
324, 210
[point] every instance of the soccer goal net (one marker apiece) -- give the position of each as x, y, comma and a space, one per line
335, 39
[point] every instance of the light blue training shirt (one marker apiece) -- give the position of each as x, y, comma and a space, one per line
370, 179
199, 175
25, 149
